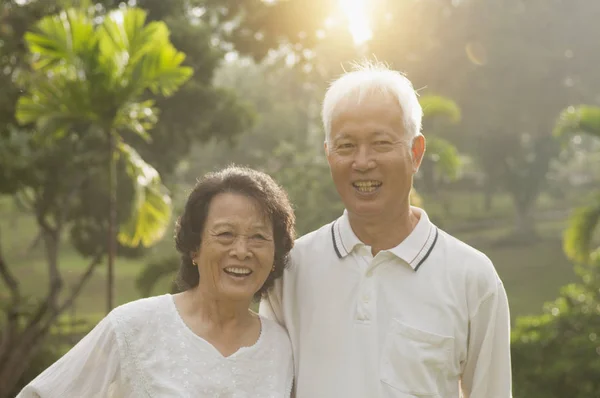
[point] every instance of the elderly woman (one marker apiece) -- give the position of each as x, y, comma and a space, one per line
234, 237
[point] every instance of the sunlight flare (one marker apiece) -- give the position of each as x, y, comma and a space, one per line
356, 12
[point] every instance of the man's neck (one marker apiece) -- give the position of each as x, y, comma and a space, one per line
385, 231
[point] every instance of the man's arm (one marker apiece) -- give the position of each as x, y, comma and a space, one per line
487, 373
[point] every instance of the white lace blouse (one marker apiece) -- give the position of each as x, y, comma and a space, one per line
144, 349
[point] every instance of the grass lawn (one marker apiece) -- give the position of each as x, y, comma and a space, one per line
532, 274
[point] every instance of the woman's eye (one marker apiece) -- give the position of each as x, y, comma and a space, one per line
259, 237
225, 235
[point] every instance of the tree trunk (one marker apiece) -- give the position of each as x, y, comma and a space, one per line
488, 196
524, 227
112, 220
22, 350
18, 349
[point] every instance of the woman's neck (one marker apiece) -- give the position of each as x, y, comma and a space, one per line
217, 312
226, 324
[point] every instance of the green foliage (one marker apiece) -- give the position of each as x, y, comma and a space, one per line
583, 119
154, 272
445, 156
438, 106
579, 237
151, 210
440, 152
97, 74
557, 354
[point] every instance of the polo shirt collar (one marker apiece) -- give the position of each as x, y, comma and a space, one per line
414, 249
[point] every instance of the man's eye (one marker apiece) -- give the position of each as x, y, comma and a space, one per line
225, 235
259, 237
383, 143
345, 146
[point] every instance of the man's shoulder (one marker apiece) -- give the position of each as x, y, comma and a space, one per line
463, 257
312, 248
318, 237
457, 247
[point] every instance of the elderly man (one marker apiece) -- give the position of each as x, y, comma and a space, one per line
381, 302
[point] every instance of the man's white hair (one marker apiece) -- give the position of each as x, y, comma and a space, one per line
373, 78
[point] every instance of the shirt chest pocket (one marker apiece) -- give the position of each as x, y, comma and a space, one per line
414, 362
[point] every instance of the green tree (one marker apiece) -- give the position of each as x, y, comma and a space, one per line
555, 354
442, 159
579, 236
58, 181
99, 74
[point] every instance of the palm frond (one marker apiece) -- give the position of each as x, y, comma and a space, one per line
59, 39
138, 117
151, 211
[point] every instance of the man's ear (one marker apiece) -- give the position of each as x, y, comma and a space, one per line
418, 151
326, 147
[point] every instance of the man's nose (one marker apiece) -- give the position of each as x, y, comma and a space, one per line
363, 159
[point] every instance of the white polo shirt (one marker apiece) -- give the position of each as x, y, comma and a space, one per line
419, 320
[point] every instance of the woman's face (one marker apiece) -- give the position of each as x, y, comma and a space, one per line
237, 250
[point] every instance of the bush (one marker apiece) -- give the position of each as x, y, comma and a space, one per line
557, 354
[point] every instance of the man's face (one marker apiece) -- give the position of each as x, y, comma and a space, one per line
371, 160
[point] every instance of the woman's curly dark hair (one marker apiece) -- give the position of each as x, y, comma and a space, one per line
271, 198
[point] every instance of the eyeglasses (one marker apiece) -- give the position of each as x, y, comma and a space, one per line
254, 241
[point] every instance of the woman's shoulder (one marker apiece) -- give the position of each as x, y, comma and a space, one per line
142, 311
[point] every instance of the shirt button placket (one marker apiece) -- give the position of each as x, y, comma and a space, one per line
366, 299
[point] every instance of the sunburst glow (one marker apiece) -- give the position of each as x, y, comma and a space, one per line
356, 12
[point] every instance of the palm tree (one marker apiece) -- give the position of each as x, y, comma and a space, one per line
578, 237
98, 70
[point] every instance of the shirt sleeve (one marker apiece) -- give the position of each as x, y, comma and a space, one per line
271, 306
90, 369
487, 372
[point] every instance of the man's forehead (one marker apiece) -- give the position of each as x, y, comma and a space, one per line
345, 134
356, 104
382, 108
